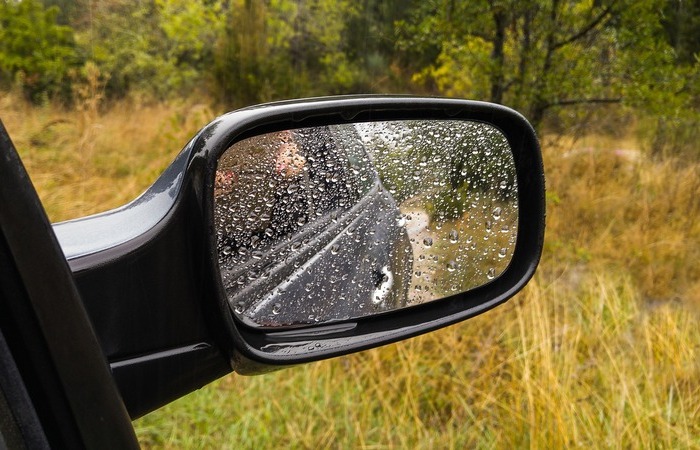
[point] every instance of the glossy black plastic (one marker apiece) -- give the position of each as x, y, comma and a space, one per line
46, 330
148, 273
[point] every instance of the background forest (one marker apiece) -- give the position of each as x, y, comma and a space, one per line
602, 349
556, 61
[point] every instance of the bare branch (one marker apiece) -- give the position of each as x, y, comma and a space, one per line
585, 30
582, 101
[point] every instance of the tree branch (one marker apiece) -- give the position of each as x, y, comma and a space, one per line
581, 101
585, 30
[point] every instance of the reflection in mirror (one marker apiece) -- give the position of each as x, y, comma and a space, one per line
322, 224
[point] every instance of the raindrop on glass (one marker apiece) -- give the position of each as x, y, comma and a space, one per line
497, 211
454, 236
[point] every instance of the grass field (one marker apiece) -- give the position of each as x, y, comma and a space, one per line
602, 349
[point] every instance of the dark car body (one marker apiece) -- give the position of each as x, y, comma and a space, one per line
322, 256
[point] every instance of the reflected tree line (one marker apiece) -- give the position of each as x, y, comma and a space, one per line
455, 185
449, 164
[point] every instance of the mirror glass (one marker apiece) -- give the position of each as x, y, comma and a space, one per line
316, 225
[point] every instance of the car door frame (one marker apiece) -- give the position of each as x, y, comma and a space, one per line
66, 389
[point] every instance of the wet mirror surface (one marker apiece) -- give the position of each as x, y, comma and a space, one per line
323, 224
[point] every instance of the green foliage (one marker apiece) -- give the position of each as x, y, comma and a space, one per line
283, 48
681, 21
446, 167
161, 47
548, 57
563, 64
35, 51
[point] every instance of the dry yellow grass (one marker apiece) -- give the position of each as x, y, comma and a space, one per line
83, 162
611, 206
602, 349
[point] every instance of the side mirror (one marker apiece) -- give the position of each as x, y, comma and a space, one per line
324, 224
302, 230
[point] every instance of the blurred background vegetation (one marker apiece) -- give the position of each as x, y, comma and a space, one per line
601, 349
565, 64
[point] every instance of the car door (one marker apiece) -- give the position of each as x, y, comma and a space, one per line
56, 389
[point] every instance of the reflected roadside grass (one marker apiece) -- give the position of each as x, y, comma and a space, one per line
457, 255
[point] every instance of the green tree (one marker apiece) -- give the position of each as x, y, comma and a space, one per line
673, 129
35, 51
278, 49
369, 44
681, 21
546, 56
159, 47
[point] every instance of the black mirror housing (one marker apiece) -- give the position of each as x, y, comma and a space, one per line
256, 350
149, 277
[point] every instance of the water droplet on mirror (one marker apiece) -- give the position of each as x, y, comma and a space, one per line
335, 248
451, 266
491, 274
497, 213
239, 308
276, 308
502, 253
292, 188
428, 242
454, 236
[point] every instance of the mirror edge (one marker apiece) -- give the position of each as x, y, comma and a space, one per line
258, 351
